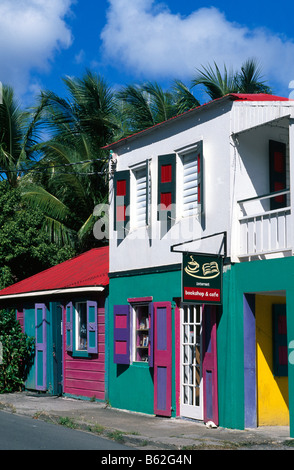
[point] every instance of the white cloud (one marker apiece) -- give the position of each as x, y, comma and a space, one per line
149, 41
31, 32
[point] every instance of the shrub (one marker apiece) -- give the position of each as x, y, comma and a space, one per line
18, 350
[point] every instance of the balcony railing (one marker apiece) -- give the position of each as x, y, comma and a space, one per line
262, 230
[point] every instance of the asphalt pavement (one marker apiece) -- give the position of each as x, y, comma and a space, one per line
141, 431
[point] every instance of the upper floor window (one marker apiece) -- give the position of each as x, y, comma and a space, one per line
191, 191
141, 196
81, 326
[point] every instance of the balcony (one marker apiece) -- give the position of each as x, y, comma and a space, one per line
263, 231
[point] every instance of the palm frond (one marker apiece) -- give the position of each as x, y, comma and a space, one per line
216, 84
184, 98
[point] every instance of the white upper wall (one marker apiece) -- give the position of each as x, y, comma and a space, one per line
227, 177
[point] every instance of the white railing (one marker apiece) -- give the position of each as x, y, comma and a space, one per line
264, 231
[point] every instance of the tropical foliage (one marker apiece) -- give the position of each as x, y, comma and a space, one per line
16, 353
52, 155
218, 84
72, 176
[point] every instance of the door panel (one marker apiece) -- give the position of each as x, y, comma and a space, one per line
210, 398
191, 362
162, 358
41, 347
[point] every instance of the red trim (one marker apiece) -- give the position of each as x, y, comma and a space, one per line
140, 299
233, 96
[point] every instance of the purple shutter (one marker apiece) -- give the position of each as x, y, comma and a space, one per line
209, 365
92, 327
151, 335
121, 334
68, 326
41, 347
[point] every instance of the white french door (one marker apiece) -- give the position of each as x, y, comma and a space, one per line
191, 362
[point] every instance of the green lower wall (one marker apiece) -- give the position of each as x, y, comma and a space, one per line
249, 277
131, 387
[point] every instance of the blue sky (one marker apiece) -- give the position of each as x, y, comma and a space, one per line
129, 41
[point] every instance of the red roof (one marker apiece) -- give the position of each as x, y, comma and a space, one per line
86, 270
230, 96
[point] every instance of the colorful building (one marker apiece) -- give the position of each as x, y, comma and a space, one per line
64, 309
214, 182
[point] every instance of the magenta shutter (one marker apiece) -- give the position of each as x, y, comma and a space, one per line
162, 358
92, 327
209, 366
121, 334
151, 336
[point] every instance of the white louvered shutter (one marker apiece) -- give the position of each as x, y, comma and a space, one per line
141, 187
190, 184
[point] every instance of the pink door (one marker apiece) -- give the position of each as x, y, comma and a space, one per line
162, 358
210, 395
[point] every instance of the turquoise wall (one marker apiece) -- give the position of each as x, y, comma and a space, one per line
248, 277
131, 386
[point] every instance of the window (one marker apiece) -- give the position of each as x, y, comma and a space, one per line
81, 327
191, 184
133, 332
141, 196
140, 333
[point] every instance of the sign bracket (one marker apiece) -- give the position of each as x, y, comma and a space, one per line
224, 243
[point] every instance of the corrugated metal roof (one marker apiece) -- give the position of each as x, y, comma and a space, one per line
231, 96
86, 270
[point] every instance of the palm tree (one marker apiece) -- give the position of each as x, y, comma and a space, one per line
184, 98
18, 137
73, 167
216, 84
143, 106
249, 79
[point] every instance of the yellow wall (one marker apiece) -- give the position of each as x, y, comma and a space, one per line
272, 392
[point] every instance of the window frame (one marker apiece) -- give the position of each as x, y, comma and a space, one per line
196, 149
136, 331
71, 327
134, 170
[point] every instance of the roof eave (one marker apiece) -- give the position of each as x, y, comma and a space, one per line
178, 117
61, 291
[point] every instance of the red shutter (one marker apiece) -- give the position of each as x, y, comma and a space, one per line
277, 155
121, 185
166, 183
280, 350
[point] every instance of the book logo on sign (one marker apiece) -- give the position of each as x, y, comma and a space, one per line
208, 271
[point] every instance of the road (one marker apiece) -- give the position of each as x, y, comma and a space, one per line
25, 433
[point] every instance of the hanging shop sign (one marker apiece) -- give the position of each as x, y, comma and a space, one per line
202, 279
